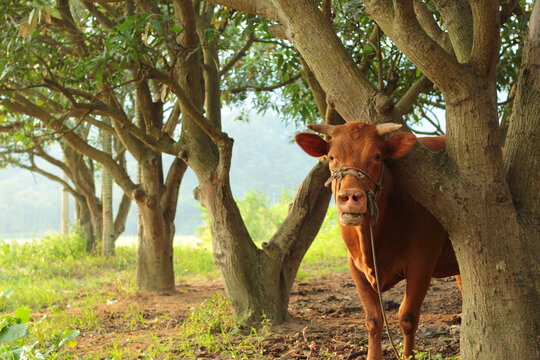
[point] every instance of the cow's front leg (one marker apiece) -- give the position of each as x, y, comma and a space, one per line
372, 310
409, 311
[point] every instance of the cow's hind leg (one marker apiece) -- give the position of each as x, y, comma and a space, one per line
458, 281
409, 311
372, 310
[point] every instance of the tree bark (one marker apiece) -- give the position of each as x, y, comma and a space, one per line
108, 236
156, 201
84, 222
522, 145
498, 299
65, 208
155, 252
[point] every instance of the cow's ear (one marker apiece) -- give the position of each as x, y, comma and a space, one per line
312, 144
398, 144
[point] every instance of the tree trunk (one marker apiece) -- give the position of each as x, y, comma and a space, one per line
259, 281
84, 222
108, 236
522, 146
498, 299
65, 208
155, 251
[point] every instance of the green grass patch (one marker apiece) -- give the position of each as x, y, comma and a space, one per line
57, 271
213, 328
327, 254
194, 263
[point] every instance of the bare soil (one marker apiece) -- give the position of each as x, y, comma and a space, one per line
327, 320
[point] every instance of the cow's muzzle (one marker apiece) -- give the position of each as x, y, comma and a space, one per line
352, 206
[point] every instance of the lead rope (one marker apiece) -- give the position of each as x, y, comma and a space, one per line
379, 290
371, 195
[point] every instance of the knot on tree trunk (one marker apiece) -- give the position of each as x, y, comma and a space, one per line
383, 104
138, 194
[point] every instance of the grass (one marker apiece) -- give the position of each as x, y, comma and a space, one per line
57, 272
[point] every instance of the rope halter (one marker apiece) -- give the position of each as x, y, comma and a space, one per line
339, 173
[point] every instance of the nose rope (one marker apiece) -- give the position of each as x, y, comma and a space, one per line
339, 173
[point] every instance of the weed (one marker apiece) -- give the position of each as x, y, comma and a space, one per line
213, 328
17, 342
423, 355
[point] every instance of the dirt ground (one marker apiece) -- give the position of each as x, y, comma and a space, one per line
328, 320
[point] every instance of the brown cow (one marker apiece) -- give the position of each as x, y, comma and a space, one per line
409, 242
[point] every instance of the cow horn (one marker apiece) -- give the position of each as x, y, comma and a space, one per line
322, 128
387, 127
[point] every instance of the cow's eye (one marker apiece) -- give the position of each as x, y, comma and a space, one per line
377, 156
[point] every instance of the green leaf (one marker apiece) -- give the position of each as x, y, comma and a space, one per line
72, 335
157, 26
177, 29
23, 314
13, 332
99, 76
126, 24
8, 69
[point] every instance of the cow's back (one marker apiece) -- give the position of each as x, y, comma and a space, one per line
434, 143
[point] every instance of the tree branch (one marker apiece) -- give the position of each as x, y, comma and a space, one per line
523, 138
265, 88
42, 154
121, 216
262, 8
215, 134
48, 175
457, 17
303, 205
21, 105
92, 9
171, 123
401, 25
72, 30
239, 55
186, 15
169, 199
405, 104
430, 26
486, 26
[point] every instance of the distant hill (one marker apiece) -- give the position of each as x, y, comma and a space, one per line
264, 158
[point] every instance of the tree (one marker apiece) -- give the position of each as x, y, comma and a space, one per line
484, 195
83, 79
22, 145
127, 62
108, 235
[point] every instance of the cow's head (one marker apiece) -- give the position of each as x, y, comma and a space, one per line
356, 145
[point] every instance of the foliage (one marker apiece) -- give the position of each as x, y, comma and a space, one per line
17, 342
267, 76
427, 355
